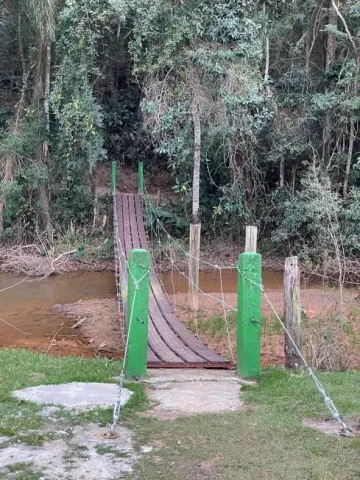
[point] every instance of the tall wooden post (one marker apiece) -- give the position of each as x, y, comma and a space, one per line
292, 312
249, 315
140, 177
137, 313
194, 265
251, 240
113, 176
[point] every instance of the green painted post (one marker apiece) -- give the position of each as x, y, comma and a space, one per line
249, 315
137, 313
140, 177
113, 176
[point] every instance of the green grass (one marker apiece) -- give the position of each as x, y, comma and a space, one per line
20, 471
213, 326
21, 368
268, 441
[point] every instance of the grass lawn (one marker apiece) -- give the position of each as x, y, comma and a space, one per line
268, 441
22, 368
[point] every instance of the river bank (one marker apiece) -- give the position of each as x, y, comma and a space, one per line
41, 315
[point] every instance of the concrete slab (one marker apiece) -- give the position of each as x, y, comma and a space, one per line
191, 392
88, 455
77, 396
4, 440
160, 375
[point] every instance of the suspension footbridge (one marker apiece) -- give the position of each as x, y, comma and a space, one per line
170, 343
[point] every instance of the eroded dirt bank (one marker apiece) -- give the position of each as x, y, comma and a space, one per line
77, 314
325, 334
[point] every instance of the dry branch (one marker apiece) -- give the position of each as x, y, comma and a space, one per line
28, 260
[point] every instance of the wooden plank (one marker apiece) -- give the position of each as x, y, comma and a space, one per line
156, 342
168, 335
166, 308
214, 365
152, 358
158, 345
170, 340
134, 224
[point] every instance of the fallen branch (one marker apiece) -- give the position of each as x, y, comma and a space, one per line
63, 255
80, 322
53, 339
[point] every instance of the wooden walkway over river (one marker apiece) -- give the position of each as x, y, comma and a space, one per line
170, 343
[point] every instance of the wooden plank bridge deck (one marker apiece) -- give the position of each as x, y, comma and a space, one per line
170, 343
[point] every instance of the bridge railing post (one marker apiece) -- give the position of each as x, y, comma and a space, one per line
140, 177
113, 176
249, 315
137, 314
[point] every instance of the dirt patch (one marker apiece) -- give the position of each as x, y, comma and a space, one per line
333, 428
321, 322
98, 323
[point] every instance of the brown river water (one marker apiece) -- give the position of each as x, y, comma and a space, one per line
28, 307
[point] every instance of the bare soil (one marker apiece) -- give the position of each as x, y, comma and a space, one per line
333, 428
321, 309
99, 325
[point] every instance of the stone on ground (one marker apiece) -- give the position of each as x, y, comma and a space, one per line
88, 455
75, 396
181, 393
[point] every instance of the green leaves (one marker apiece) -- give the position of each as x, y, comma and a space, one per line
80, 118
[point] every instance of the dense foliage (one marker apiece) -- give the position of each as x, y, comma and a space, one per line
265, 93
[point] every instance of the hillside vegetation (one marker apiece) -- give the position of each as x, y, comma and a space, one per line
264, 94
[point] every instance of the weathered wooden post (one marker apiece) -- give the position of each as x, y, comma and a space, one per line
251, 240
292, 312
137, 314
194, 265
249, 310
140, 177
113, 176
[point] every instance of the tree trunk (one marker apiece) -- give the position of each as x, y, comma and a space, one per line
267, 65
293, 177
331, 41
330, 57
41, 96
349, 158
282, 173
197, 157
10, 159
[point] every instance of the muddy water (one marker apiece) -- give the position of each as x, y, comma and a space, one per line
211, 281
29, 308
